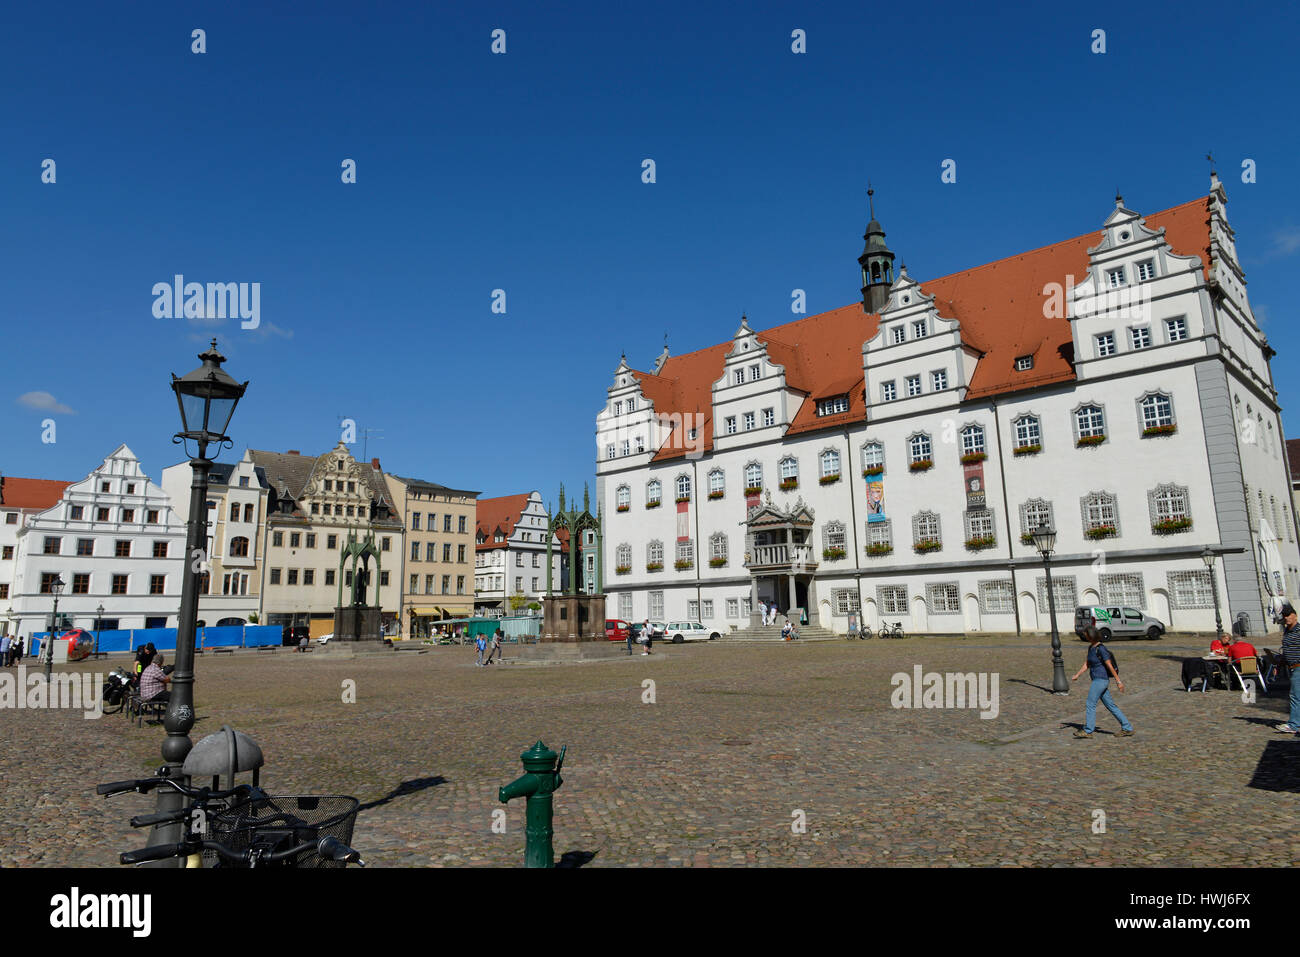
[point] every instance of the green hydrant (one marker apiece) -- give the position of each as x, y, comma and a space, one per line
540, 780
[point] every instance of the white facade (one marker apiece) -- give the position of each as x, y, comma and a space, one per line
513, 562
115, 540
1167, 441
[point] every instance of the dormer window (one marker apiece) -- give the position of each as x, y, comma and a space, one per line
1116, 278
1024, 363
834, 405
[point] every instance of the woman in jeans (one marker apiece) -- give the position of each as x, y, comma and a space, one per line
1100, 666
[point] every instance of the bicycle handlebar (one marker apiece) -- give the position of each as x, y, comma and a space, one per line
144, 785
329, 847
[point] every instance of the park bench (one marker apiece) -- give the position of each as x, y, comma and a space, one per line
223, 651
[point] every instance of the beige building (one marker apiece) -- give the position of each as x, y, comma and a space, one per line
437, 567
230, 591
315, 503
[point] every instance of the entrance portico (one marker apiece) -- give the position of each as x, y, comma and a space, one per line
778, 554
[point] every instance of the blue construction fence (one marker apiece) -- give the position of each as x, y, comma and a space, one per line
164, 639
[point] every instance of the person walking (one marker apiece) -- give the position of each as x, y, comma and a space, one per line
480, 643
1291, 654
6, 650
649, 638
496, 646
1100, 665
632, 638
762, 611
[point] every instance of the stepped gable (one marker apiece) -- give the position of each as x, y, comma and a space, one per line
999, 306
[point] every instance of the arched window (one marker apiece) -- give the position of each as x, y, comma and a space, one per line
1029, 433
1170, 508
623, 498
972, 440
653, 492
1034, 513
1089, 422
654, 553
919, 448
753, 478
830, 462
1157, 412
834, 540
717, 550
925, 531
239, 547
683, 488
789, 469
873, 457
1100, 515
717, 483
623, 559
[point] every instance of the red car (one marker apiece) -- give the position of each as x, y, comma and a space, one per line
616, 629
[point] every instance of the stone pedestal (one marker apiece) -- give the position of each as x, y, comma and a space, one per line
358, 623
573, 618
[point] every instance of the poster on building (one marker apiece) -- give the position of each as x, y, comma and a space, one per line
974, 475
683, 521
875, 496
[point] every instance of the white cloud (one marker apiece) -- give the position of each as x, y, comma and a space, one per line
1286, 241
44, 402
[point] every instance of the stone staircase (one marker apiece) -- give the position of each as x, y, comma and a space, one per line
773, 633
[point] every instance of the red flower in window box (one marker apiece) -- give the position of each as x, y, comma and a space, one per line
789, 483
683, 498
833, 553
715, 495
1170, 526
981, 541
921, 465
654, 504
682, 564
753, 489
879, 548
1027, 450
654, 566
624, 508
622, 569
1089, 440
829, 479
927, 545
1159, 430
717, 562
970, 458
1100, 531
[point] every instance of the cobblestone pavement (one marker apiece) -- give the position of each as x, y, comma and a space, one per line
740, 738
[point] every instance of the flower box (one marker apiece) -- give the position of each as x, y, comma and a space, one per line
622, 569
1170, 526
787, 484
879, 548
829, 479
715, 495
654, 504
867, 473
981, 541
717, 562
683, 563
922, 465
654, 566
624, 508
1089, 440
683, 498
832, 554
1027, 450
927, 545
1100, 531
753, 490
1026, 538
970, 458
1159, 430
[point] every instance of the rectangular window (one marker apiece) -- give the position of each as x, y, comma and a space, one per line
52, 545
1176, 329
1122, 589
979, 525
997, 598
625, 605
309, 576
75, 513
753, 373
839, 403
1024, 363
879, 534
1106, 344
101, 515
277, 539
293, 576
331, 541
693, 610
919, 329
446, 523
731, 425
329, 576
1191, 589
432, 522
275, 576
415, 580
7, 552
311, 540
119, 584
769, 417
415, 552
446, 584
430, 551
86, 546
537, 560
81, 584
122, 548
913, 385
157, 584
1066, 595
749, 421
938, 380
618, 408
892, 599
844, 601
415, 522
152, 516
160, 549
1027, 432
656, 605
898, 335
888, 391
446, 552
739, 376
943, 598
1146, 270
11, 518
460, 524
1140, 338
383, 579
386, 544
128, 515
1116, 277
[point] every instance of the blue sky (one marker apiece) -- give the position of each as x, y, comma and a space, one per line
522, 172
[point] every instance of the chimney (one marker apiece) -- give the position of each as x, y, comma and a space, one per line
293, 452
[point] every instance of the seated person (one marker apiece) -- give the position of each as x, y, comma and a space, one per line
153, 682
1238, 648
1219, 646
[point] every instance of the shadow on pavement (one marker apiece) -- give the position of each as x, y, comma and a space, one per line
413, 786
1022, 681
571, 859
1278, 768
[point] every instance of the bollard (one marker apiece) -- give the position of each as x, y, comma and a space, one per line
540, 780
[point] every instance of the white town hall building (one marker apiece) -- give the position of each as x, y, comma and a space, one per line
891, 457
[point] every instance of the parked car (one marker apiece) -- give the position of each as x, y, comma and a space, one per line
679, 631
616, 629
323, 639
1117, 621
291, 634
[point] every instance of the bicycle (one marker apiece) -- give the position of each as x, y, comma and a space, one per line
248, 827
891, 631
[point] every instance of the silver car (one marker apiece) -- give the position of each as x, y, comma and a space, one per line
1117, 621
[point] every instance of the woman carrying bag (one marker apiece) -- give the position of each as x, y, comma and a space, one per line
1100, 665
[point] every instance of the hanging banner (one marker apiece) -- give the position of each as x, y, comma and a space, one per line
974, 476
683, 521
875, 496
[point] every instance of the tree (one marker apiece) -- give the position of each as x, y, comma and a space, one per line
517, 601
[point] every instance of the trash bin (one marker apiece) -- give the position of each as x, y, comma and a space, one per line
1241, 626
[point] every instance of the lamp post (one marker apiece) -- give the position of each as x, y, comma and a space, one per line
1208, 557
1045, 542
99, 623
56, 586
207, 398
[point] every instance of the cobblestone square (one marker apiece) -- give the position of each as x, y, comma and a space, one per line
740, 737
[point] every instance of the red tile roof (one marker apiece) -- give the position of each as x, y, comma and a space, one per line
494, 513
999, 306
30, 493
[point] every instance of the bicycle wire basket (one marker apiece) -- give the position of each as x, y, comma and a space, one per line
283, 821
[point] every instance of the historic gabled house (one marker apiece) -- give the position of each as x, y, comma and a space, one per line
892, 457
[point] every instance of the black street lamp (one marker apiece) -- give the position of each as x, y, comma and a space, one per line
207, 398
1208, 557
99, 623
1045, 542
56, 586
